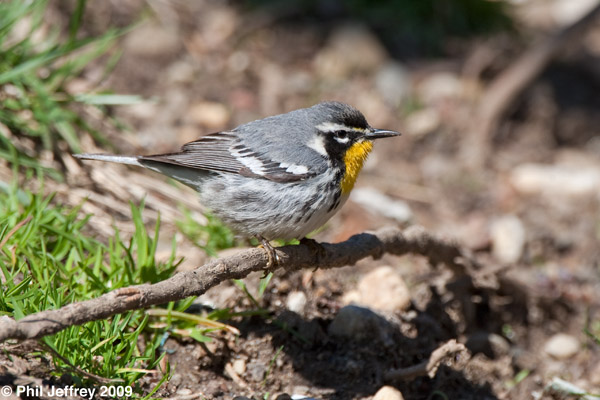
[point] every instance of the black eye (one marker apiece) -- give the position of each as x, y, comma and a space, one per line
341, 134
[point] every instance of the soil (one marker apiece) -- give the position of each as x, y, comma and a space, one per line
211, 66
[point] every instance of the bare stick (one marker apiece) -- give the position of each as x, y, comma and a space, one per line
429, 367
193, 283
507, 86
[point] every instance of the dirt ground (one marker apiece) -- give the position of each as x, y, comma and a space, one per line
529, 212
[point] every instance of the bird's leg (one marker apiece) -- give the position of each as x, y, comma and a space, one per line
317, 249
271, 253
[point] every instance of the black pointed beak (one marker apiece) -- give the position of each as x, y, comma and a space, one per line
381, 133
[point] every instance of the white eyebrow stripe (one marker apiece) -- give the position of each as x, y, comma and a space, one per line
332, 127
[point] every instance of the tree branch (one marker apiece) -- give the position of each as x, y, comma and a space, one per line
194, 283
509, 84
430, 366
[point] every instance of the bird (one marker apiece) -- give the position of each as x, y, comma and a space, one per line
280, 177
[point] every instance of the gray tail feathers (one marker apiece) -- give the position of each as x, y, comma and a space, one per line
131, 160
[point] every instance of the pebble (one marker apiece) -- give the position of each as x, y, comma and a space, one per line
176, 380
181, 72
562, 346
301, 391
358, 323
490, 344
440, 86
296, 301
422, 122
308, 329
566, 12
210, 114
559, 179
375, 201
256, 371
473, 231
184, 392
384, 289
392, 81
350, 48
388, 393
595, 375
152, 40
142, 110
508, 239
239, 366
218, 25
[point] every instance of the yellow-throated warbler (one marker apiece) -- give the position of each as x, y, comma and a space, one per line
276, 178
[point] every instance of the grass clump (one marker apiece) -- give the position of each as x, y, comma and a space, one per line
47, 260
37, 62
210, 237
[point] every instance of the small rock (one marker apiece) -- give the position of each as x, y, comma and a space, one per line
296, 302
217, 27
300, 390
142, 110
300, 397
238, 61
218, 297
422, 122
184, 392
388, 393
566, 12
595, 375
508, 239
209, 114
176, 380
384, 289
239, 366
180, 72
375, 201
359, 323
473, 231
350, 48
256, 370
152, 40
393, 82
559, 179
350, 297
440, 86
309, 330
562, 346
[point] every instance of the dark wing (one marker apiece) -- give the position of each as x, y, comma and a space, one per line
224, 152
209, 152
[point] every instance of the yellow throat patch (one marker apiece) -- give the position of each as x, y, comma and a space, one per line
354, 159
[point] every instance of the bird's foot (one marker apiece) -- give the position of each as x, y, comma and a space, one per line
271, 254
